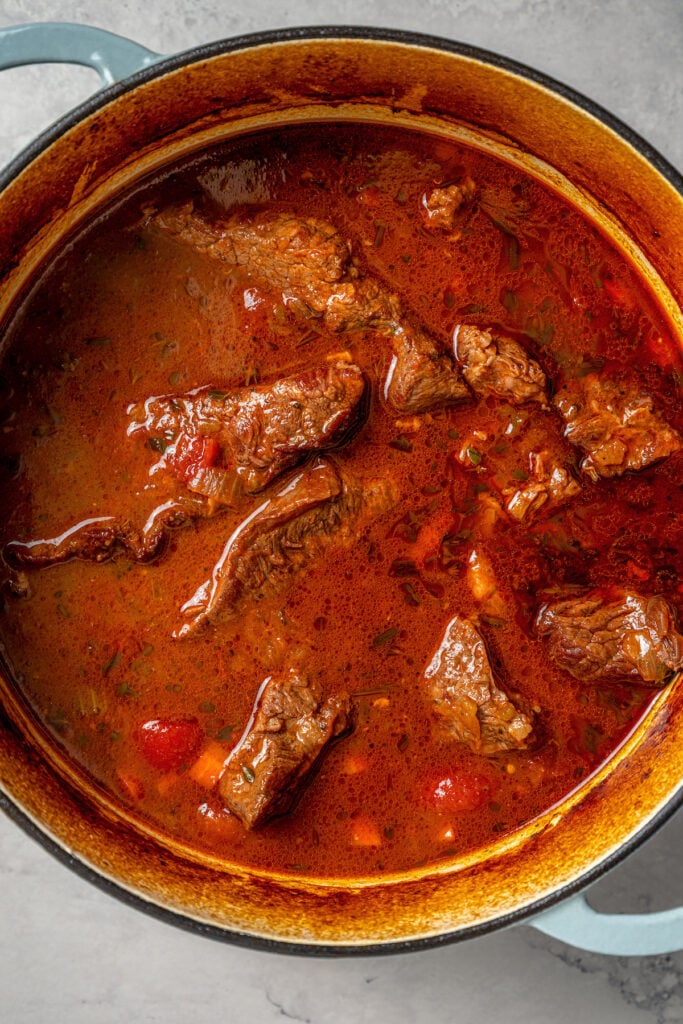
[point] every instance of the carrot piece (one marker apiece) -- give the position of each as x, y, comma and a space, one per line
209, 766
364, 832
130, 785
166, 783
427, 541
664, 352
446, 834
354, 764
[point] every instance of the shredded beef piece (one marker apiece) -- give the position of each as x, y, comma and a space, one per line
290, 727
623, 635
261, 430
442, 205
100, 538
616, 424
466, 698
309, 261
284, 534
495, 365
548, 482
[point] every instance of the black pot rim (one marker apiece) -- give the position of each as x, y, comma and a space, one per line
174, 63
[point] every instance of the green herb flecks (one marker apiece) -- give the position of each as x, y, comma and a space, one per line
509, 300
401, 444
493, 621
387, 637
112, 663
307, 338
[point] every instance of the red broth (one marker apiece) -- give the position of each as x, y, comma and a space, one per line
123, 312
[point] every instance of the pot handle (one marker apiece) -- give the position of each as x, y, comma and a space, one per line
577, 924
54, 42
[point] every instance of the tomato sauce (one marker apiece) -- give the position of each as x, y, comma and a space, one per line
122, 313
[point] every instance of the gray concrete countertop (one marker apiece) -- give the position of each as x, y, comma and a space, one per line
70, 953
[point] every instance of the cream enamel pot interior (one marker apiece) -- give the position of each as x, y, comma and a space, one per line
165, 107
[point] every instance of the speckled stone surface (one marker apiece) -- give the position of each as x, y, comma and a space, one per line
70, 953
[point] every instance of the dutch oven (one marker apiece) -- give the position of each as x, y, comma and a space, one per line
153, 110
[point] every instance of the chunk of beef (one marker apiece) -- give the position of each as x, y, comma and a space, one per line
616, 424
309, 261
99, 538
360, 304
302, 256
256, 432
495, 365
290, 726
284, 534
466, 698
259, 431
548, 481
419, 377
623, 635
442, 205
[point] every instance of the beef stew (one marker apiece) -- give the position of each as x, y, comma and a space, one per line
477, 347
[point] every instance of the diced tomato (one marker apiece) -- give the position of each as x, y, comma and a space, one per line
169, 743
460, 791
193, 453
218, 820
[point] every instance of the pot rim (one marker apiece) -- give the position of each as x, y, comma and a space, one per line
259, 943
405, 37
178, 61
